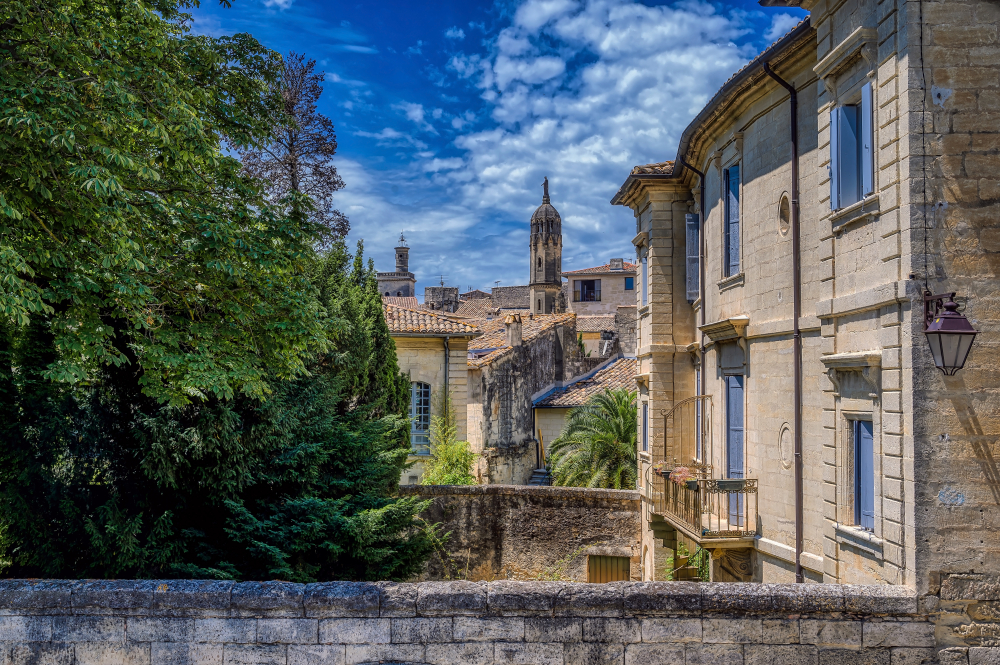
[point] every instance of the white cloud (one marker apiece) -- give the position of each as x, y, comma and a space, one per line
415, 114
392, 138
780, 24
646, 71
455, 33
280, 4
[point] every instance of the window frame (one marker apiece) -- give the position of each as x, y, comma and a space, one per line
644, 277
852, 149
731, 221
579, 290
859, 473
645, 427
630, 283
420, 414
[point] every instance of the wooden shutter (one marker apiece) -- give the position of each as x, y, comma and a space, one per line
645, 280
645, 426
866, 128
850, 156
732, 220
604, 569
692, 266
734, 445
864, 475
834, 159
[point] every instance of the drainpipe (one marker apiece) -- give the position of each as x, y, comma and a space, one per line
701, 264
796, 312
447, 353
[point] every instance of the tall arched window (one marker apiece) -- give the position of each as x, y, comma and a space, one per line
420, 418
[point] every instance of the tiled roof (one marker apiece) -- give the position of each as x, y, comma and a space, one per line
398, 301
595, 323
402, 320
474, 293
475, 308
606, 268
661, 168
515, 297
495, 334
620, 374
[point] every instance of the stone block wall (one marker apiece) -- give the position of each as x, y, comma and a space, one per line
518, 532
179, 622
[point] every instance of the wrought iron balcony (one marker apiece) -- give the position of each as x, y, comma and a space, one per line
701, 506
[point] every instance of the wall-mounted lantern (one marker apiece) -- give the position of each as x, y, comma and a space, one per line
949, 333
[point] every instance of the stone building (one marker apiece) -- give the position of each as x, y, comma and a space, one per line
781, 346
512, 360
432, 349
595, 295
401, 283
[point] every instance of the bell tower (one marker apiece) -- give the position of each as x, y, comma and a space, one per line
545, 271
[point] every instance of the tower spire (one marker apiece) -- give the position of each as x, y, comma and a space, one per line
545, 190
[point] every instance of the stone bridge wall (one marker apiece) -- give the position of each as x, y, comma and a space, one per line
179, 622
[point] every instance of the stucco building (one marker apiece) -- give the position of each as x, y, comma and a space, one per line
432, 349
783, 265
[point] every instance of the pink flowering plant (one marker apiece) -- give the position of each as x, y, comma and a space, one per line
681, 475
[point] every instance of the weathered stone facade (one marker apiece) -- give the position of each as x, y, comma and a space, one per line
401, 283
529, 533
205, 622
545, 257
933, 69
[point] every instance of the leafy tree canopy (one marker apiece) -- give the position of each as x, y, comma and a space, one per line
123, 220
597, 447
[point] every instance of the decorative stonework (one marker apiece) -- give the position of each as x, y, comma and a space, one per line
866, 363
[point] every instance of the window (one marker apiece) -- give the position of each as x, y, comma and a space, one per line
864, 475
420, 418
603, 569
644, 279
734, 445
852, 164
693, 256
539, 263
630, 283
645, 427
731, 228
540, 307
587, 290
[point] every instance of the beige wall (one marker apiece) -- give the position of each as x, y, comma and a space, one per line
422, 358
549, 423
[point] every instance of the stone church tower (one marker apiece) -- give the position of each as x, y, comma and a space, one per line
545, 282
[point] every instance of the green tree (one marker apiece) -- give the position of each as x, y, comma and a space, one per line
597, 447
104, 481
124, 225
451, 460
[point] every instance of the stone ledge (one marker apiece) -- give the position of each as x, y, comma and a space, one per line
181, 598
520, 490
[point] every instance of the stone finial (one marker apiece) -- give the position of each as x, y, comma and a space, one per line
545, 190
512, 322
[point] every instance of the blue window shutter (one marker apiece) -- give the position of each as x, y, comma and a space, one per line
734, 445
732, 175
850, 156
864, 475
867, 142
645, 426
834, 159
645, 281
692, 264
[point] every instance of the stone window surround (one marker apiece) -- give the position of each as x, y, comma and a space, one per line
868, 364
727, 281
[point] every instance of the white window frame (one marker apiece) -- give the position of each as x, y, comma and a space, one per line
852, 150
420, 418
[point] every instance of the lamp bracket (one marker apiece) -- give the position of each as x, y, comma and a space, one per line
933, 304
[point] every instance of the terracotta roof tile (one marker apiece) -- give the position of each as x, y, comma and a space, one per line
620, 374
398, 301
606, 268
402, 320
475, 309
474, 293
494, 337
595, 323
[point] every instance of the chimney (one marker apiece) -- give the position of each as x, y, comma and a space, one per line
513, 324
617, 264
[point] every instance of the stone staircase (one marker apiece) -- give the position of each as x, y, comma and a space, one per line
663, 531
540, 477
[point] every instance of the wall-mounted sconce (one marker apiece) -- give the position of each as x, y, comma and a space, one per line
949, 333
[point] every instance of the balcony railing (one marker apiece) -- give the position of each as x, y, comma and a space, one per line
709, 508
706, 507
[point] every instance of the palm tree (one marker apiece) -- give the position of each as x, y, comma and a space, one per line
597, 447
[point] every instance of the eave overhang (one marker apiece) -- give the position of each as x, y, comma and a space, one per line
726, 330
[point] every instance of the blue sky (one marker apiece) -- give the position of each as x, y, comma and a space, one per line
449, 114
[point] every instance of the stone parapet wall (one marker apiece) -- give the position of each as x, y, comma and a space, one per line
179, 622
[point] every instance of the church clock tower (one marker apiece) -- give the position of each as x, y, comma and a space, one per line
545, 280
